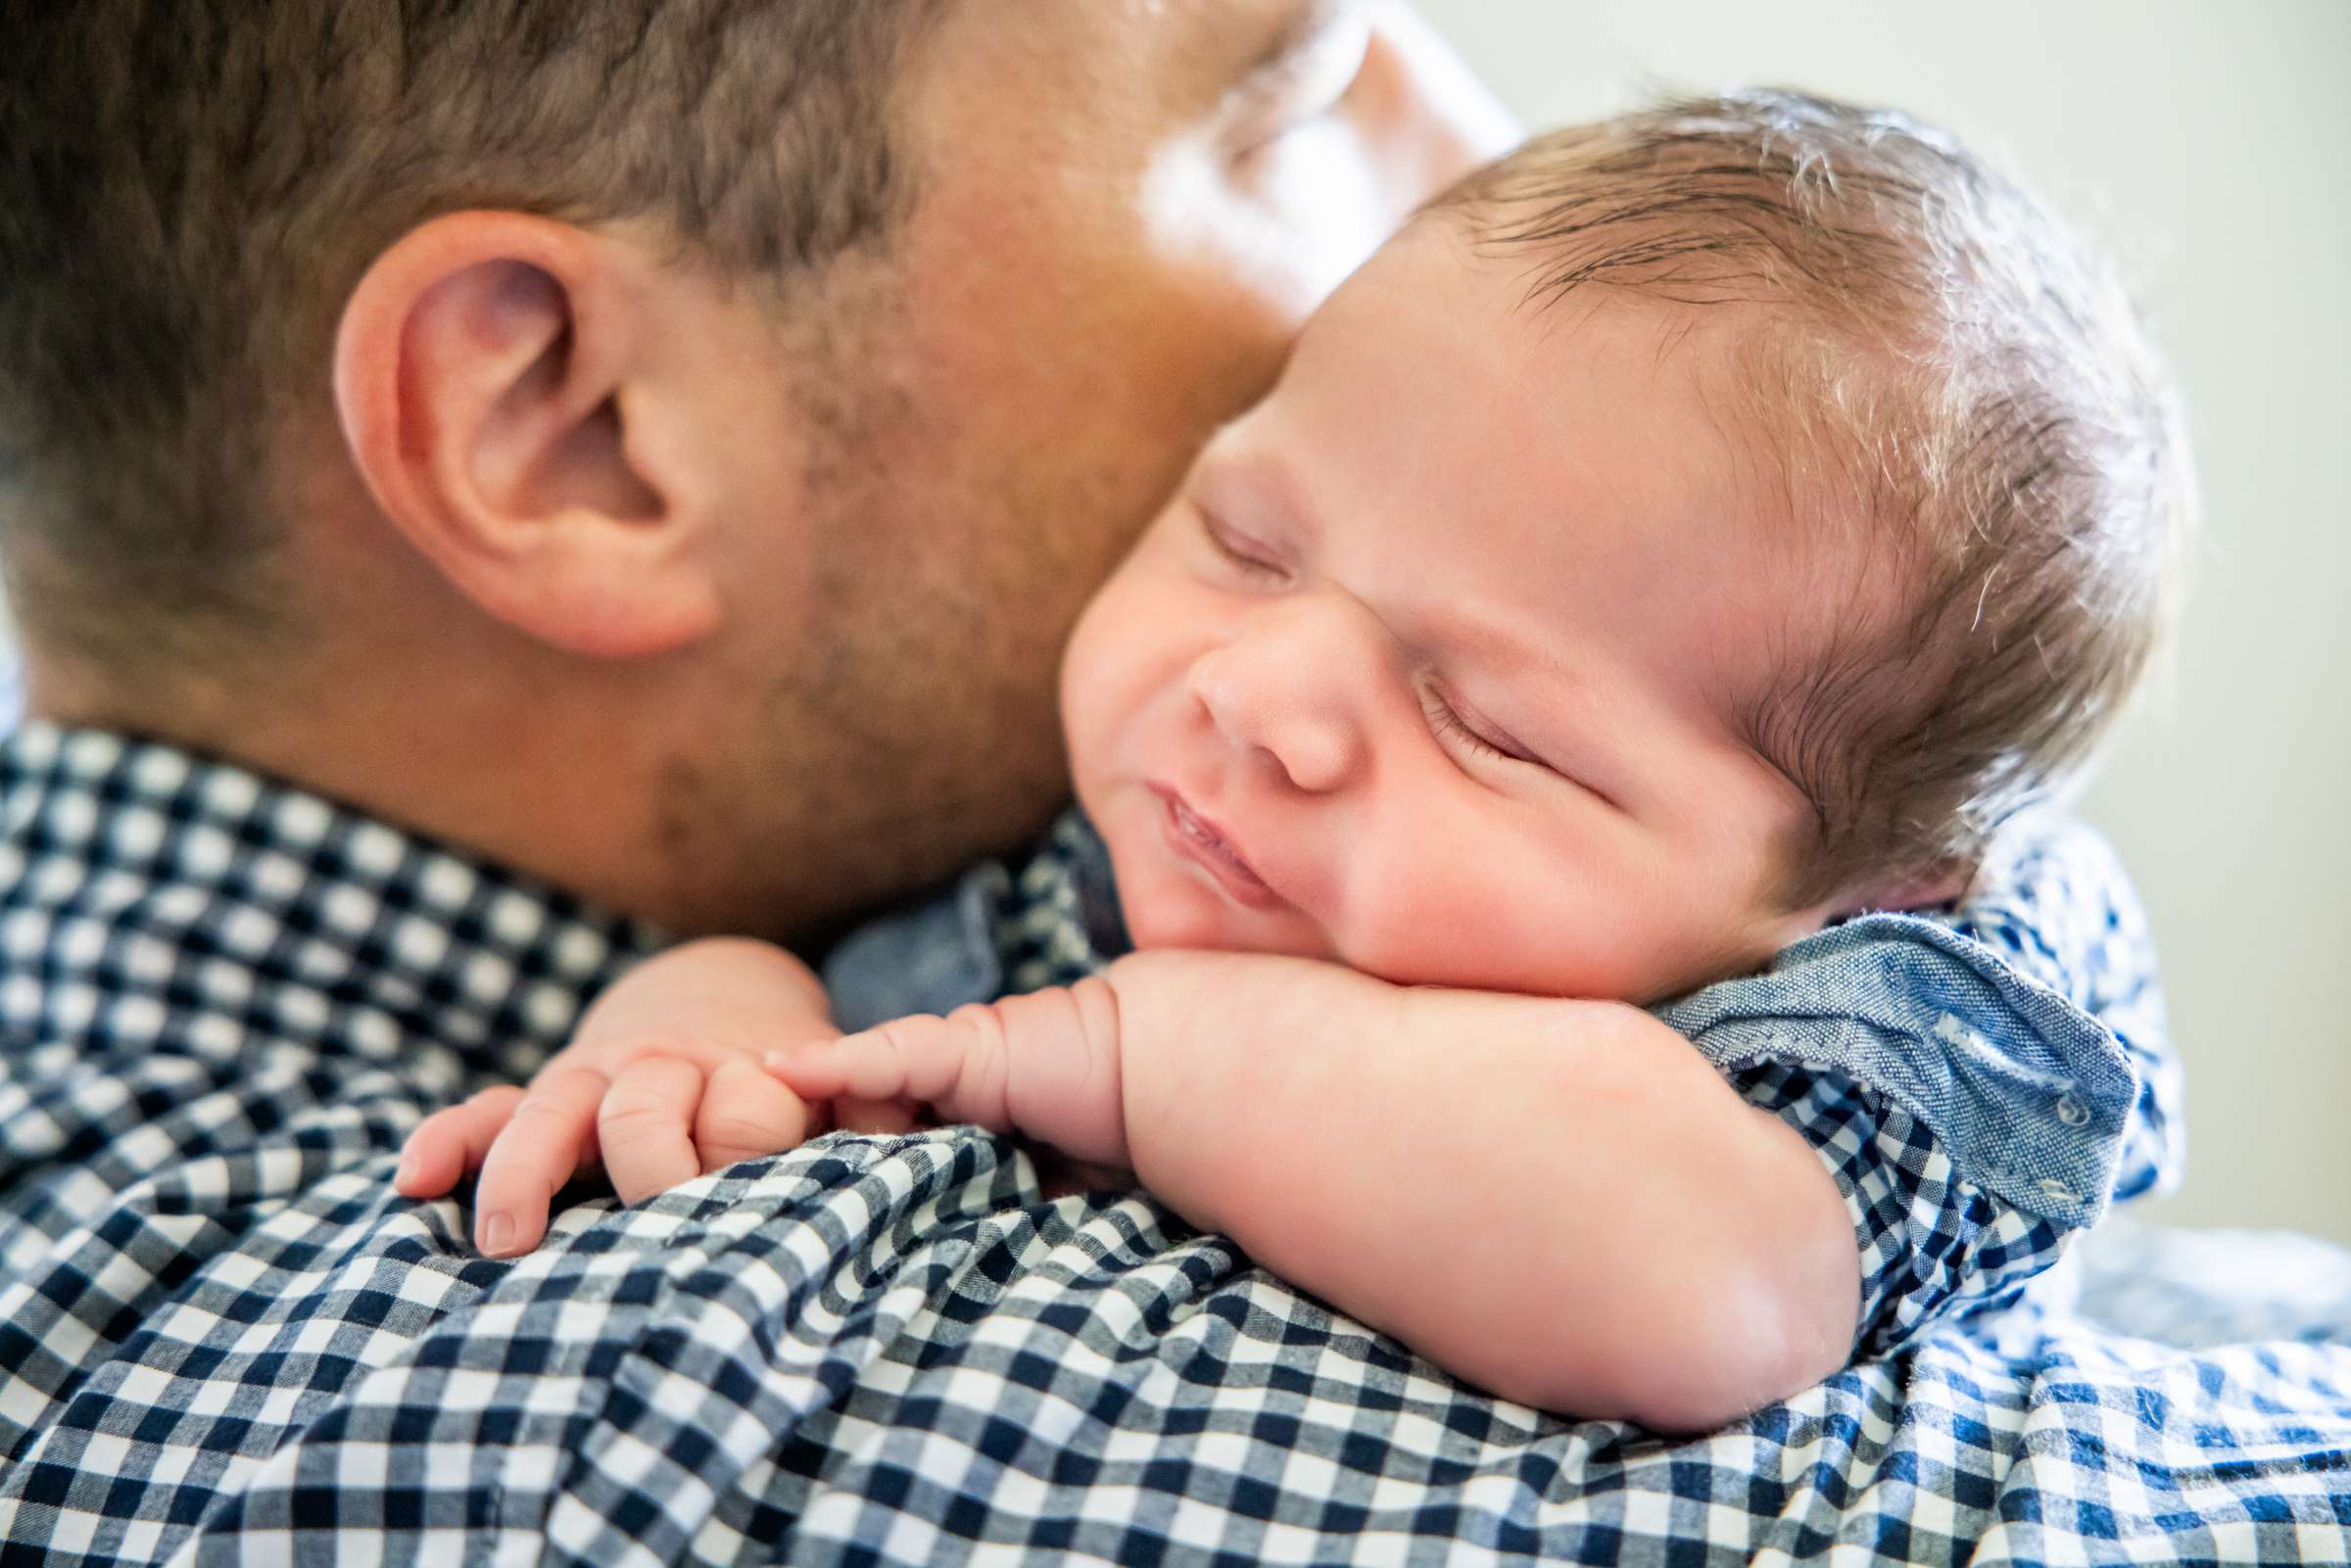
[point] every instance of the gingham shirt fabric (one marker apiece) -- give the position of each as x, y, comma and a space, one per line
224, 1340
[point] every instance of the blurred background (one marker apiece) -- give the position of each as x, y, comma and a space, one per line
2210, 146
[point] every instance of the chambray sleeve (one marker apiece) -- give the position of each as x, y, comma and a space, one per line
2058, 907
1974, 1115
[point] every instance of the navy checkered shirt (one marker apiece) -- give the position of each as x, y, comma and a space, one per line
224, 1339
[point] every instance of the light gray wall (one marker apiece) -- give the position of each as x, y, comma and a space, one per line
2212, 144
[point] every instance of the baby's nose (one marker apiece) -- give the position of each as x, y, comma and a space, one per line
1318, 756
1278, 704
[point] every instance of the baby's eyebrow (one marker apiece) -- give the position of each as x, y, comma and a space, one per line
1255, 483
1517, 654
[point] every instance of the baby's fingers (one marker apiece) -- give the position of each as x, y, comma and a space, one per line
745, 1113
955, 1063
856, 1067
647, 1126
543, 1146
452, 1141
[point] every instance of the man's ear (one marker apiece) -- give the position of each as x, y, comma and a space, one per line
490, 371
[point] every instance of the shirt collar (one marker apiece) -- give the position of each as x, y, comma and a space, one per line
142, 879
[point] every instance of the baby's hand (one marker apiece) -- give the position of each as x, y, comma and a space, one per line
663, 1083
1047, 1064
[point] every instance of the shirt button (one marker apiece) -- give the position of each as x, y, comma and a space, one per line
2072, 1112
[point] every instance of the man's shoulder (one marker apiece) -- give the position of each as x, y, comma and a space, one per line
193, 956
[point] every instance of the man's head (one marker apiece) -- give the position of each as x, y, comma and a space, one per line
194, 188
1700, 525
663, 444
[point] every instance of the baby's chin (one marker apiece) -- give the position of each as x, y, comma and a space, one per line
1165, 913
1171, 910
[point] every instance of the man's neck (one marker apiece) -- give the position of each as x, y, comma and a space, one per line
473, 748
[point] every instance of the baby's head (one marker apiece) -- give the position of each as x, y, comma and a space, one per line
1695, 527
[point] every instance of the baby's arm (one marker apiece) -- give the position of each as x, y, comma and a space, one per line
663, 1083
1559, 1200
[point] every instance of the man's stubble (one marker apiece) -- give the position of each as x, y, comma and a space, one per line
915, 726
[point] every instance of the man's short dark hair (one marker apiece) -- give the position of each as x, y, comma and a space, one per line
190, 188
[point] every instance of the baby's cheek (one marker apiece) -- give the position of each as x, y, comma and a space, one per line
1411, 916
1404, 944
1465, 929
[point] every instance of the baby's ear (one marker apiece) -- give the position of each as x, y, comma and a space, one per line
1946, 881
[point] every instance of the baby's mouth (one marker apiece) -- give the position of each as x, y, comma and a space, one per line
1202, 842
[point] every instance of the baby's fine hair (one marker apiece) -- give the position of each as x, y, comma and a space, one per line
1961, 404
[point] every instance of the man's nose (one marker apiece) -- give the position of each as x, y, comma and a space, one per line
1296, 690
1448, 122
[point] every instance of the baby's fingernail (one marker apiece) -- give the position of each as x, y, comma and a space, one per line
497, 1235
406, 1171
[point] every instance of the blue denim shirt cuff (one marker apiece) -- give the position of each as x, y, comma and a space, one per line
2029, 1096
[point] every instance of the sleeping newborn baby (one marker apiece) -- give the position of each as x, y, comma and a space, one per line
1696, 529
